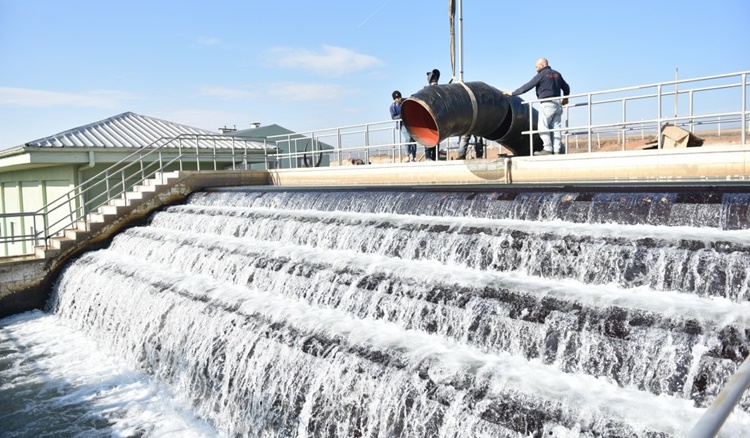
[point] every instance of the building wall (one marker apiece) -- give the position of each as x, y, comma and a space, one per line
30, 190
27, 191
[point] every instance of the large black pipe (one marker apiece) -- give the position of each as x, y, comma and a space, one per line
441, 111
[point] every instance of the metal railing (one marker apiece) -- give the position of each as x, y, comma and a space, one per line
340, 144
337, 146
184, 152
623, 115
623, 112
640, 111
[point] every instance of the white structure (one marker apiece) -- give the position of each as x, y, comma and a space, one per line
39, 171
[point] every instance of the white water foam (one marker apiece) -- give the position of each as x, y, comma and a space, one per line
447, 359
52, 370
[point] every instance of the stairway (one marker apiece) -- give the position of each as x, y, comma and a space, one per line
141, 198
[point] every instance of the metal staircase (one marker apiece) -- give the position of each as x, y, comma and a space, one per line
132, 186
114, 209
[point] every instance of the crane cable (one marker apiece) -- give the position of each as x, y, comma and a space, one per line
452, 17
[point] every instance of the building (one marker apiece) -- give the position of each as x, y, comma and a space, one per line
303, 150
36, 173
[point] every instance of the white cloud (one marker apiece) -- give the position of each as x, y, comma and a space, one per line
207, 41
26, 97
297, 91
332, 61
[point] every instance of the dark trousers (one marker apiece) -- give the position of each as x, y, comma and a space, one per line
430, 153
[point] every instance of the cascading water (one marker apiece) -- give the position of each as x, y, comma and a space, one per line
276, 313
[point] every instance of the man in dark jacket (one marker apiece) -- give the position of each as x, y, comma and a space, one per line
548, 83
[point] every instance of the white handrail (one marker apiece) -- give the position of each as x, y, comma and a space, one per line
383, 137
711, 421
738, 115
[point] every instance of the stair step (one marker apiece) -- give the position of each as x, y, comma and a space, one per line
134, 195
139, 197
61, 243
114, 210
41, 252
95, 217
118, 202
77, 234
145, 188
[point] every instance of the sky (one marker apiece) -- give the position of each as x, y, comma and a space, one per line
309, 65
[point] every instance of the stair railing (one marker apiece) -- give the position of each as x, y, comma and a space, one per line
112, 183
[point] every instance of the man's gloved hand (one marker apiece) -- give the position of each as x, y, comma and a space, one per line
565, 101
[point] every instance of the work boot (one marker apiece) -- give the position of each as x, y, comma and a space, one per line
543, 152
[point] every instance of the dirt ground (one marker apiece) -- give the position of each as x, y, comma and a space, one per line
710, 138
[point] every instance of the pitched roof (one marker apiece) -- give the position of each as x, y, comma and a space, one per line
130, 130
263, 131
275, 134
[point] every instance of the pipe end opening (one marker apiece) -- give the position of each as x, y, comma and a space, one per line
419, 123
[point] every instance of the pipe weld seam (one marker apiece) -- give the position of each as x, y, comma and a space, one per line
474, 109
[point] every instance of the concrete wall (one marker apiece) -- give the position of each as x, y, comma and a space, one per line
24, 286
688, 165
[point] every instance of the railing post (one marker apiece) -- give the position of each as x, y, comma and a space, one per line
33, 230
106, 183
293, 157
367, 145
265, 154
743, 133
658, 117
395, 143
197, 155
531, 129
567, 133
624, 122
590, 118
123, 184
339, 146
690, 110
72, 215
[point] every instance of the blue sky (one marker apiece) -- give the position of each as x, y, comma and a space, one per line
311, 65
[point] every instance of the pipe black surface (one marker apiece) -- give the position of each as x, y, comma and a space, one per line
509, 134
441, 111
